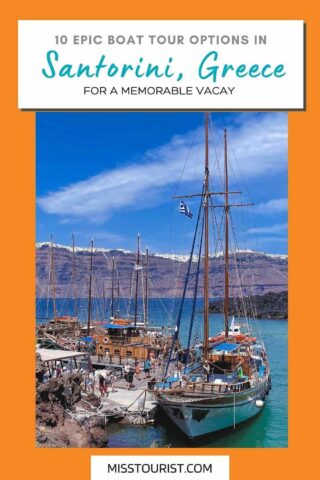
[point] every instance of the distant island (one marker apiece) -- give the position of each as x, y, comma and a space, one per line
270, 305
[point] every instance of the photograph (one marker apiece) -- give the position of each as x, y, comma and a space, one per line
161, 279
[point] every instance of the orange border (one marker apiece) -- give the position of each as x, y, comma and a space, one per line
17, 247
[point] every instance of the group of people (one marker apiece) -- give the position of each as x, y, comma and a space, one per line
135, 371
89, 382
55, 371
105, 382
131, 371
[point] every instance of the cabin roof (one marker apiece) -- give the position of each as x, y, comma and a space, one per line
120, 327
226, 347
66, 319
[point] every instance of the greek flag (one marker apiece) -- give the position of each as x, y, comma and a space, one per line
184, 209
196, 342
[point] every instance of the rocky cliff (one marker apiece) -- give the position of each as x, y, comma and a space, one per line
166, 272
270, 305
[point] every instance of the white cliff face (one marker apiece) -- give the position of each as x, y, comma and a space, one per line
169, 256
80, 249
167, 271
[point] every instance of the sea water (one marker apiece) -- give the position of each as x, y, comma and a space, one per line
267, 429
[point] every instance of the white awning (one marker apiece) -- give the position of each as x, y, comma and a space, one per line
48, 355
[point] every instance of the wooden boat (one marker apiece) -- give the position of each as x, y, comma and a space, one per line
229, 381
60, 325
129, 337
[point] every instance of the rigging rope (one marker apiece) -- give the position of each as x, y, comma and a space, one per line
195, 295
176, 333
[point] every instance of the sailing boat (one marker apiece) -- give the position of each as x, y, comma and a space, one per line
130, 337
60, 324
227, 384
133, 321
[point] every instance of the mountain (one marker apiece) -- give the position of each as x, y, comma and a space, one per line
166, 272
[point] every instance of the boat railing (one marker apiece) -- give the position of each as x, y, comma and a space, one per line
217, 388
201, 387
135, 340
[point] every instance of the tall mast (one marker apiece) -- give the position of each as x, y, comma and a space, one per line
226, 248
90, 289
53, 280
112, 288
206, 241
104, 299
74, 278
118, 293
146, 299
137, 268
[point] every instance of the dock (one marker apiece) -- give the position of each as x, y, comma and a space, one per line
135, 402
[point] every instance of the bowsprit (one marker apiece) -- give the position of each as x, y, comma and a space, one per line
215, 90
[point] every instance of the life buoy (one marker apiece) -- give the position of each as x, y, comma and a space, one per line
105, 340
77, 334
100, 349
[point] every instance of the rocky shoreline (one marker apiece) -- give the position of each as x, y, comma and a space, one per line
272, 305
56, 400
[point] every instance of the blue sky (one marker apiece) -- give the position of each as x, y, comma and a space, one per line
112, 175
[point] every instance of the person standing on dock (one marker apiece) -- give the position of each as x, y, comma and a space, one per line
113, 380
137, 371
102, 386
126, 370
130, 375
152, 360
108, 381
147, 368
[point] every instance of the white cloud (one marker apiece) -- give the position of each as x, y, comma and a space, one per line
277, 205
273, 240
260, 146
107, 236
276, 228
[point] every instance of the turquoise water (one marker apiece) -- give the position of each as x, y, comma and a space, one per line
267, 429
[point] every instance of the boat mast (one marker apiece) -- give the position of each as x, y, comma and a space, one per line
226, 249
118, 292
206, 242
146, 299
53, 280
90, 288
112, 288
74, 278
137, 268
104, 302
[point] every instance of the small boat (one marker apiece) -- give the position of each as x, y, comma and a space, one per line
227, 383
233, 334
